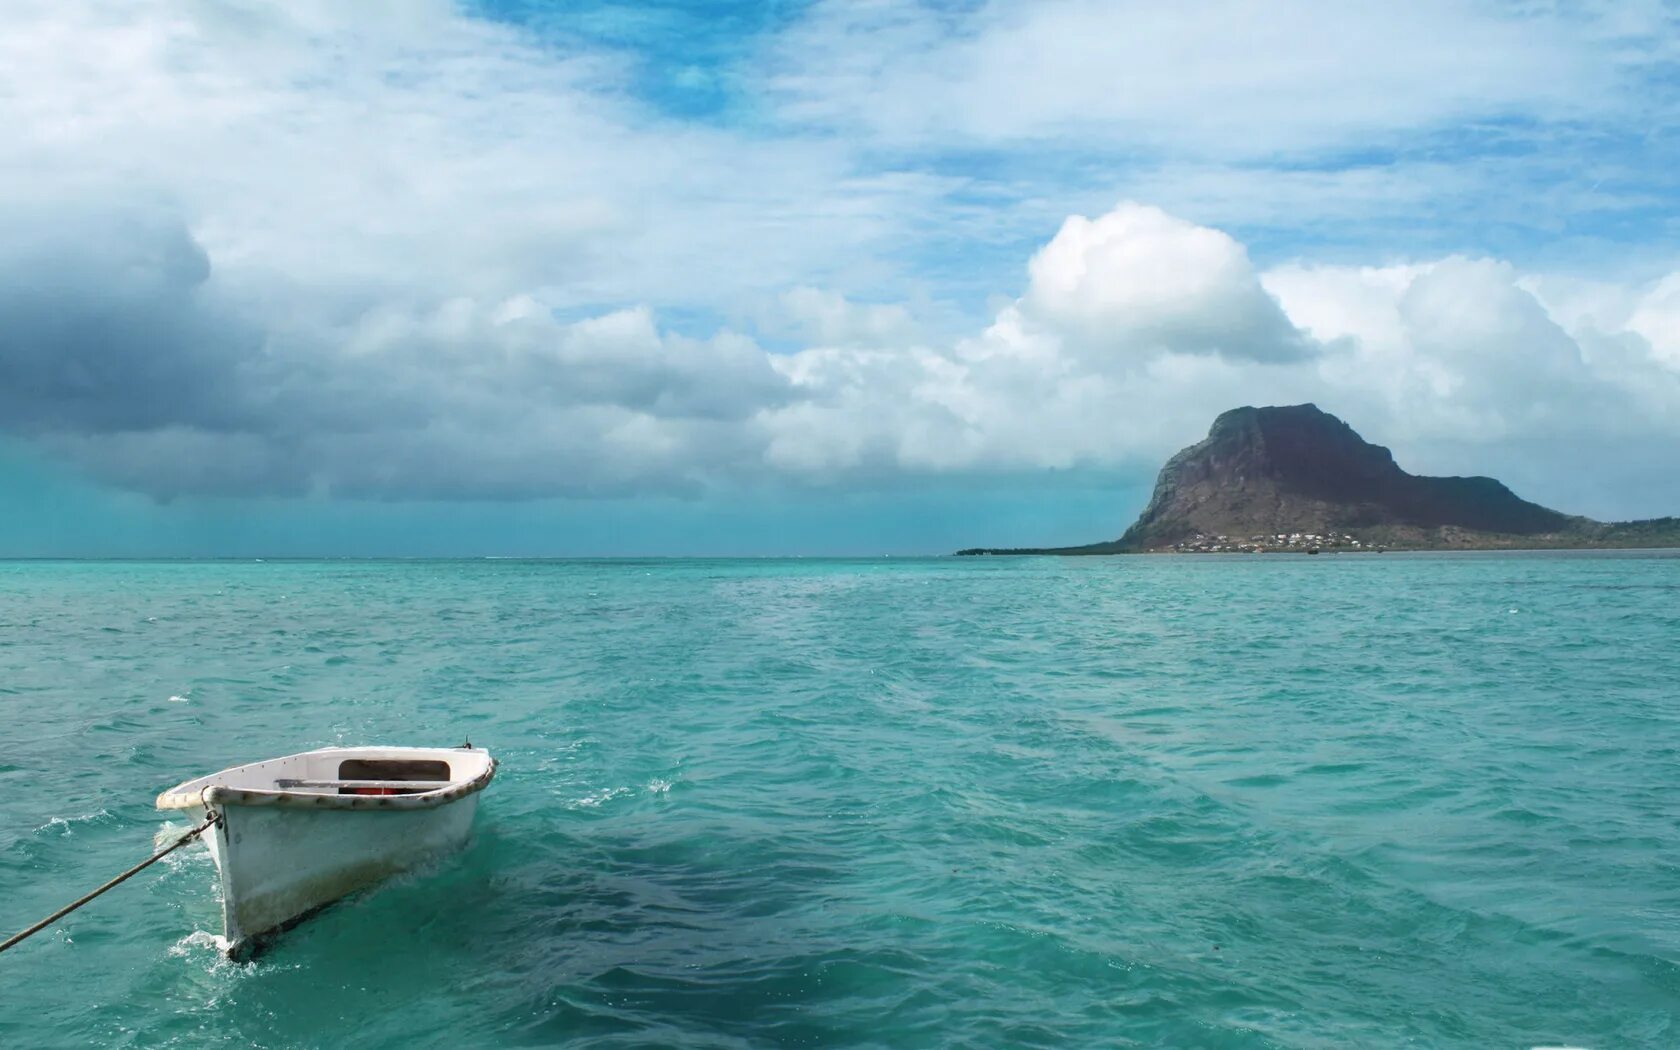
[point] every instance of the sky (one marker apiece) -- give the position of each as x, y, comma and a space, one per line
418, 278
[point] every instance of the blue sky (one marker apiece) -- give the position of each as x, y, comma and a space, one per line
874, 277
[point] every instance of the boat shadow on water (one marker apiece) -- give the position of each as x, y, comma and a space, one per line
573, 925
692, 931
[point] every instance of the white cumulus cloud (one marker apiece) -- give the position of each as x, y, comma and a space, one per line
1137, 280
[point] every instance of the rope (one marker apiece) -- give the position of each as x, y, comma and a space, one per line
124, 877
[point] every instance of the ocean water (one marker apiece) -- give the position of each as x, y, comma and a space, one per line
1345, 801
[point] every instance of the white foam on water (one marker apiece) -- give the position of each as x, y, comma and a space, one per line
598, 798
659, 787
167, 834
211, 949
67, 825
196, 941
179, 700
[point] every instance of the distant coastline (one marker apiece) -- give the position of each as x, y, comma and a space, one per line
1110, 549
1295, 479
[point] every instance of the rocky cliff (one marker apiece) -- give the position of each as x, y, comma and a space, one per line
1297, 471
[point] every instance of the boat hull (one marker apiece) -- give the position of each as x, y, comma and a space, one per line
297, 832
278, 864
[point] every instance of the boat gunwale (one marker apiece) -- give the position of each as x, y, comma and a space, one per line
221, 795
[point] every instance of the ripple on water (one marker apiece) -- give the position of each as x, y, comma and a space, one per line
991, 802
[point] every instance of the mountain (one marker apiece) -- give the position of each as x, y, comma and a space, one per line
1296, 477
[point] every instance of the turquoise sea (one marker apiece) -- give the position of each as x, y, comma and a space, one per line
1344, 801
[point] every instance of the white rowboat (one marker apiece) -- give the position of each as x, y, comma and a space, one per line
299, 832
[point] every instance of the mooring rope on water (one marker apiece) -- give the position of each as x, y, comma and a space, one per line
125, 876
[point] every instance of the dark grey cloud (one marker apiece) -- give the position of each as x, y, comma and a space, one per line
121, 351
105, 326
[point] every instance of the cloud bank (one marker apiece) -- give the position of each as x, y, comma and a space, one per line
123, 351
